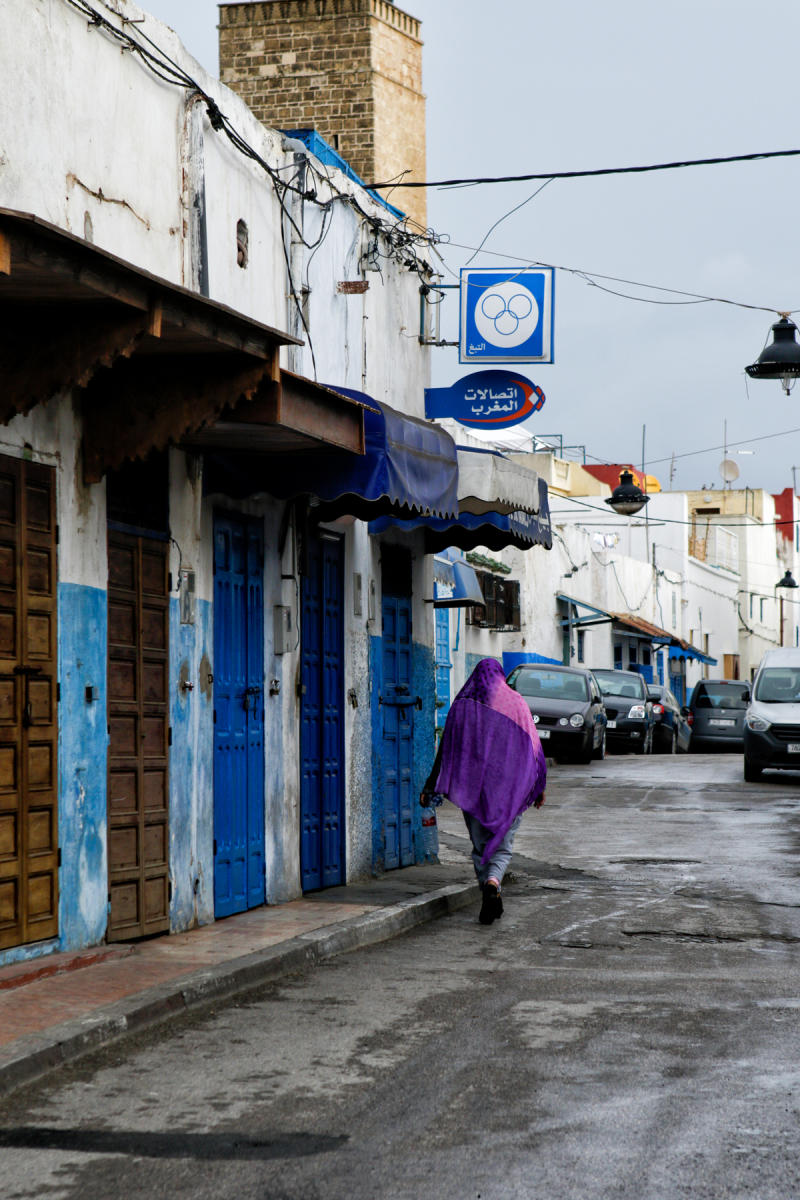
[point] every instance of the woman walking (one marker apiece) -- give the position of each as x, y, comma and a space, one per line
491, 765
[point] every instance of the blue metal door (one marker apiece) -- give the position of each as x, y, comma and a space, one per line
239, 881
322, 715
443, 666
397, 709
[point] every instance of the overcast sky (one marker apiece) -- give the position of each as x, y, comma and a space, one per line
516, 86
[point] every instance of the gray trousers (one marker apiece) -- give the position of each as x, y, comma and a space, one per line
498, 864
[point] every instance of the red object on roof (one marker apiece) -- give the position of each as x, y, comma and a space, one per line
783, 512
610, 472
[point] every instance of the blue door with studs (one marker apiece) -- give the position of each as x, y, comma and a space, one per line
397, 718
239, 881
322, 855
443, 667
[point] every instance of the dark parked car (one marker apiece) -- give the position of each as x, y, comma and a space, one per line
567, 709
716, 714
629, 712
671, 731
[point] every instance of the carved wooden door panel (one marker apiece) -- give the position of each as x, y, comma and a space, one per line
138, 723
28, 704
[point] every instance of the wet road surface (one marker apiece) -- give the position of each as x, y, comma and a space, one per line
628, 1029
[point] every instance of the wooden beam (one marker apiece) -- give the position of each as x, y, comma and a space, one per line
305, 408
5, 254
148, 403
154, 319
48, 349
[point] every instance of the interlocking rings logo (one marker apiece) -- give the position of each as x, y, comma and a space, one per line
506, 314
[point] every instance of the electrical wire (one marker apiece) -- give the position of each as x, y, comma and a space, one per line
627, 296
590, 276
673, 520
654, 462
404, 245
587, 174
505, 216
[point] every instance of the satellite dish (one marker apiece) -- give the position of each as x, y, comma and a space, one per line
728, 470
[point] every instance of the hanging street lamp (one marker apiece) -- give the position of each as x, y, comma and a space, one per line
781, 359
788, 581
628, 498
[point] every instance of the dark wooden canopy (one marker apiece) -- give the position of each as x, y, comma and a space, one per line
155, 363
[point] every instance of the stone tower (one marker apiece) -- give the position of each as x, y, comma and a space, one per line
351, 69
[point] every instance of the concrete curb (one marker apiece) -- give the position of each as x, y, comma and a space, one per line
33, 1056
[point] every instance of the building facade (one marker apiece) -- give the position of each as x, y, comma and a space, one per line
217, 675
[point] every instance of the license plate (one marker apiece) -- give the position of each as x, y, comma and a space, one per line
544, 734
721, 721
793, 747
611, 724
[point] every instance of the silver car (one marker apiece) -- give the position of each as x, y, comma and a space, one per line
716, 714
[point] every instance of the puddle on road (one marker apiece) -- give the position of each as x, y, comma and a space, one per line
657, 862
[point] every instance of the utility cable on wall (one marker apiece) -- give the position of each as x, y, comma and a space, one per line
403, 244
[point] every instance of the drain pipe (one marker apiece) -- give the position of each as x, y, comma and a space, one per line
194, 266
297, 292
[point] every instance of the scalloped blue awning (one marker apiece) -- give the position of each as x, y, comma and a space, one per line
407, 464
468, 530
409, 469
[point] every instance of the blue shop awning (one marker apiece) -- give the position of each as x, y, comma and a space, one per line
466, 590
590, 615
409, 469
443, 572
494, 530
678, 649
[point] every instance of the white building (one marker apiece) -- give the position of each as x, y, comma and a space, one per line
216, 681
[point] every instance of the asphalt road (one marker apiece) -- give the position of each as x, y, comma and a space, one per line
629, 1029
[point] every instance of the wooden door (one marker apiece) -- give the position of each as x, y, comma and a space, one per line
28, 704
138, 725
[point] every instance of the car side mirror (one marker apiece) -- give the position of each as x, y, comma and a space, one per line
685, 710
746, 696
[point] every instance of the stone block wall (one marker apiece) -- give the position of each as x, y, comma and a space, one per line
351, 69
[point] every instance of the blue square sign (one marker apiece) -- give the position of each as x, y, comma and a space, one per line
506, 316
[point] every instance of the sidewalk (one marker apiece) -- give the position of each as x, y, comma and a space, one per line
54, 1009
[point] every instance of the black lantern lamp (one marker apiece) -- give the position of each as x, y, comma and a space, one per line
628, 498
781, 359
788, 580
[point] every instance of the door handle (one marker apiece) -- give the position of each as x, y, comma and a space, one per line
248, 692
27, 708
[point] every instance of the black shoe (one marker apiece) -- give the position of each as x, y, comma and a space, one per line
492, 906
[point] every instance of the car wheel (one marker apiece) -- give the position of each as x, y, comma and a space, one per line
600, 752
752, 772
646, 747
586, 755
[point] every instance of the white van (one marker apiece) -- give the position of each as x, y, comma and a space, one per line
772, 720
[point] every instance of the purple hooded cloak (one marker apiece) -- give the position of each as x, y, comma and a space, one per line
492, 764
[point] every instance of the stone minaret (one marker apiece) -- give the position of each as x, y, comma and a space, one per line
351, 69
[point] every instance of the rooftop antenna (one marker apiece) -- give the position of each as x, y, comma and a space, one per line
727, 468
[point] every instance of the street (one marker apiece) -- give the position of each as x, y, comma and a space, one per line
628, 1029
